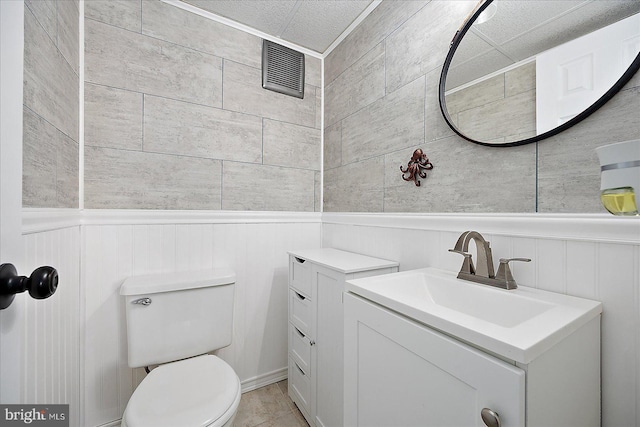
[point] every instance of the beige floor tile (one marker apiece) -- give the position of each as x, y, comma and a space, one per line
291, 419
269, 406
300, 417
284, 386
262, 405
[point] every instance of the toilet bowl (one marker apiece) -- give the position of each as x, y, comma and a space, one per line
201, 392
173, 320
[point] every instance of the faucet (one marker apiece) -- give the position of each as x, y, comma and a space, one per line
483, 272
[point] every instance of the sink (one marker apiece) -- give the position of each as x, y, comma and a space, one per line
520, 324
500, 308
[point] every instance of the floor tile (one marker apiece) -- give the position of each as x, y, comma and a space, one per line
290, 419
269, 406
284, 386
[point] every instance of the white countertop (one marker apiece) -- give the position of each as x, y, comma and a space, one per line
345, 262
519, 324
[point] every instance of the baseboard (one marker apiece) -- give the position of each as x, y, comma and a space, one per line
264, 379
114, 423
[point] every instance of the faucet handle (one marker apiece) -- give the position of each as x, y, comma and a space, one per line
508, 260
504, 272
467, 264
460, 252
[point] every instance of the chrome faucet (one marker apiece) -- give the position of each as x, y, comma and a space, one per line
483, 272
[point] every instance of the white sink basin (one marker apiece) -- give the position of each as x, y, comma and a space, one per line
518, 324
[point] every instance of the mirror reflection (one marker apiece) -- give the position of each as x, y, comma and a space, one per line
525, 68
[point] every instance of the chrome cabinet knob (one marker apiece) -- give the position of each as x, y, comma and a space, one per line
490, 418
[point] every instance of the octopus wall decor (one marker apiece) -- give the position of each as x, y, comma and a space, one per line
417, 167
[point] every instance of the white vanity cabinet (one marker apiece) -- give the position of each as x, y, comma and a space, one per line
316, 284
400, 372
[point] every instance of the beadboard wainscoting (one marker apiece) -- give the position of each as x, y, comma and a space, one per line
590, 256
255, 246
75, 342
52, 327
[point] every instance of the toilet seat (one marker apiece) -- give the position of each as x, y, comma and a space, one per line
197, 392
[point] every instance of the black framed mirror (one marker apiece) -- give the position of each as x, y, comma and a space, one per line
520, 71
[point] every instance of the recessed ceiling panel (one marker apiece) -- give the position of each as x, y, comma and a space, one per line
517, 17
313, 24
472, 47
581, 21
317, 23
268, 16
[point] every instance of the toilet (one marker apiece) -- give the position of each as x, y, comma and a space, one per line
174, 320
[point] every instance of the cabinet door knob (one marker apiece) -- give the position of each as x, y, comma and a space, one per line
490, 418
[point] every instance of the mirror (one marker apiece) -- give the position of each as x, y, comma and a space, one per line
519, 71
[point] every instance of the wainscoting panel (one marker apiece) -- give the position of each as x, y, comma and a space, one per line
75, 342
596, 257
256, 251
52, 326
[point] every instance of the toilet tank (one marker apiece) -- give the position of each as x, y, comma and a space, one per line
173, 316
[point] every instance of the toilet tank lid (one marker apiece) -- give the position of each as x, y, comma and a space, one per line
167, 282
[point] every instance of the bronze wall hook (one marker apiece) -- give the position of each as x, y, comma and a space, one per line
416, 167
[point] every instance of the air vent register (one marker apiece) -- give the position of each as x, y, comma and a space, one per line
282, 69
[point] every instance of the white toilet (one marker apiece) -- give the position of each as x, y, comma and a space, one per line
174, 320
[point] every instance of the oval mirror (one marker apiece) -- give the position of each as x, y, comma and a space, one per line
520, 71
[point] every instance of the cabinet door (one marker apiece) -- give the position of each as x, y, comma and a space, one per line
401, 373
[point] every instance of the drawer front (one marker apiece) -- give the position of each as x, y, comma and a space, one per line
299, 385
300, 275
300, 311
300, 347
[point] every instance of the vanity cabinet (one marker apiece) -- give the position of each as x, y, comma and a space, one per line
316, 328
401, 372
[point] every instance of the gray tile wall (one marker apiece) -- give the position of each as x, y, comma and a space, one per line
51, 106
499, 109
176, 117
386, 72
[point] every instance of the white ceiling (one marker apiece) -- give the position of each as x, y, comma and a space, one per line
522, 29
313, 24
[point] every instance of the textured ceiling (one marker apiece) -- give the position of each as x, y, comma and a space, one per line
313, 24
522, 29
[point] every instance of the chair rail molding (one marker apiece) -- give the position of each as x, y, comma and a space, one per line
581, 227
38, 220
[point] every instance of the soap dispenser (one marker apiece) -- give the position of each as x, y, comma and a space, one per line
620, 177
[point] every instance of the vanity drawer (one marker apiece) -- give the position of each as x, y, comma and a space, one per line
300, 311
299, 385
300, 347
300, 275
